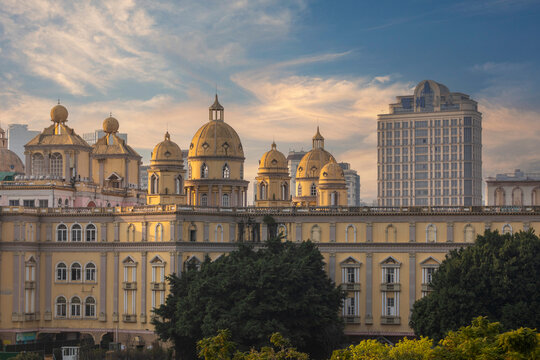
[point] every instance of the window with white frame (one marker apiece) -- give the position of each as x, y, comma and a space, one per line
90, 307
131, 233
56, 167
262, 193
158, 233
204, 171
90, 272
179, 185
61, 307
204, 200
313, 190
226, 171
284, 192
351, 305
390, 275
507, 229
154, 184
29, 291
225, 200
350, 233
158, 281
61, 233
350, 271
38, 164
75, 307
431, 233
90, 232
76, 232
75, 272
390, 304
469, 233
61, 272
218, 236
282, 229
130, 293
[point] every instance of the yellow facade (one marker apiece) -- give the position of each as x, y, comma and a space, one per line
273, 180
381, 259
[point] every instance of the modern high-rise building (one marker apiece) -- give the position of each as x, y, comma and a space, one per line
93, 137
18, 135
430, 149
353, 184
293, 160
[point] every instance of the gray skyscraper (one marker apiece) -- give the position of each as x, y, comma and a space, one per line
293, 160
353, 184
430, 149
18, 135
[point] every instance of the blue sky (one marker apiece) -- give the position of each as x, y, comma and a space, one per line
280, 67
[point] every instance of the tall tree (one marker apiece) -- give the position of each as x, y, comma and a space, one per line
497, 277
282, 288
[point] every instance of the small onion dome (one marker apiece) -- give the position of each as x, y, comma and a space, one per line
331, 173
59, 114
10, 162
110, 125
312, 163
273, 161
167, 152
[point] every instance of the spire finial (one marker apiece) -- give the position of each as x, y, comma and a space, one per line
58, 101
110, 113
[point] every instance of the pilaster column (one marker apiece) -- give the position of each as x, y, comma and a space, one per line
450, 232
369, 232
232, 232
264, 232
38, 232
180, 230
67, 166
210, 196
28, 163
412, 281
144, 278
144, 231
47, 160
298, 232
103, 231
76, 162
101, 172
332, 232
103, 287
369, 289
49, 232
126, 174
196, 196
115, 285
179, 263
37, 306
220, 195
172, 267
172, 230
206, 231
332, 267
48, 286
116, 231
412, 232
90, 169
16, 285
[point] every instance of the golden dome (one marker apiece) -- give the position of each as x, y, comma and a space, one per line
10, 162
59, 114
331, 172
312, 163
110, 125
273, 161
167, 152
216, 138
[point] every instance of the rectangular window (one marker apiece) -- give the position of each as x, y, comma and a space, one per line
350, 275
421, 124
43, 203
13, 202
29, 203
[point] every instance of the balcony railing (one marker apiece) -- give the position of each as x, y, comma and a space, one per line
158, 286
129, 285
426, 287
29, 285
390, 287
390, 320
129, 318
350, 286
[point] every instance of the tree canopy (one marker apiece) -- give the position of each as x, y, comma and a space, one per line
497, 277
282, 288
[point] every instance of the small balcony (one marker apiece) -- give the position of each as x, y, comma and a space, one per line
129, 318
390, 320
29, 317
29, 285
129, 285
390, 287
426, 287
350, 286
351, 319
157, 286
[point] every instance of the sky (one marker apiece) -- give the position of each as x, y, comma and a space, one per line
281, 68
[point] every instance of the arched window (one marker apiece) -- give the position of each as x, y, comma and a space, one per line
90, 232
56, 165
61, 232
507, 229
204, 171
90, 307
30, 232
226, 171
282, 230
154, 184
316, 233
350, 233
468, 233
179, 185
61, 306
61, 272
38, 164
299, 189
75, 272
75, 309
313, 190
263, 191
158, 235
131, 233
284, 192
219, 233
193, 232
193, 264
225, 200
517, 197
204, 200
431, 233
90, 272
76, 232
500, 197
391, 233
334, 198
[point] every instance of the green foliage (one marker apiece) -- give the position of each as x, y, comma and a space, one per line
406, 349
28, 356
497, 277
280, 288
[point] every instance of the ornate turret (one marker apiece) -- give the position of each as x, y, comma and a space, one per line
273, 180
